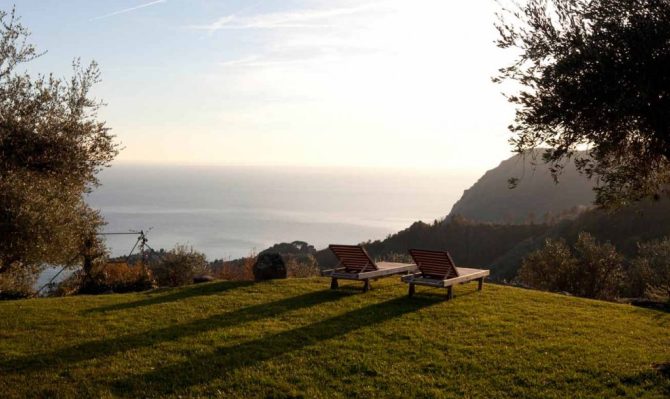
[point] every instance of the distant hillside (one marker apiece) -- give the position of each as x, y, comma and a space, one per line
535, 199
470, 243
501, 247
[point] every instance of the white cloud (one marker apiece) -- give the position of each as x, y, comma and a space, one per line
390, 83
127, 10
305, 19
258, 61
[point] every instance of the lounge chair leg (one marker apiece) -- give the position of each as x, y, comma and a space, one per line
333, 284
450, 293
411, 290
366, 287
481, 284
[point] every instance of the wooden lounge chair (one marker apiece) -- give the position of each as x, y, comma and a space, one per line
356, 264
437, 269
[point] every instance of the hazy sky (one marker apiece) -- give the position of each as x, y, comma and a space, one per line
358, 83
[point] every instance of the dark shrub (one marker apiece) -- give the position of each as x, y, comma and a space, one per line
653, 265
116, 277
592, 270
179, 266
269, 266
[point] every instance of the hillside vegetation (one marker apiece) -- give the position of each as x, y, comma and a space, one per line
535, 199
295, 338
625, 228
470, 244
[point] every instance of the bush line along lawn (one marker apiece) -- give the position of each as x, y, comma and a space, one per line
295, 338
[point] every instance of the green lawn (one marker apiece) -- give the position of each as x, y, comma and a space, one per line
296, 338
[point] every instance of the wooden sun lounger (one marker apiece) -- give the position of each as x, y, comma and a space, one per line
437, 269
356, 264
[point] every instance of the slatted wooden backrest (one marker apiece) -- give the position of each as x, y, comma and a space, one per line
353, 257
434, 264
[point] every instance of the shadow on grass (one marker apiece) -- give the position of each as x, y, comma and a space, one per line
663, 369
156, 298
657, 376
653, 305
97, 349
460, 290
204, 368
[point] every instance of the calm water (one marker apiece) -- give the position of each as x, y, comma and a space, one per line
227, 212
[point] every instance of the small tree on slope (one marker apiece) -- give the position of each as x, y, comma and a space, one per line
653, 263
593, 270
51, 147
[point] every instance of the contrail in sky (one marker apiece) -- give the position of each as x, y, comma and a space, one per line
126, 10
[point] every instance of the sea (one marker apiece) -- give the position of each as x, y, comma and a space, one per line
228, 212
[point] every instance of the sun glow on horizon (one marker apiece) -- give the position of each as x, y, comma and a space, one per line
379, 83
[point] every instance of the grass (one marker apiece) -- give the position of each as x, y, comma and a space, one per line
296, 338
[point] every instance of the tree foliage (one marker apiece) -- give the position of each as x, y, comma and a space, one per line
52, 145
592, 270
549, 269
653, 263
17, 283
292, 248
595, 74
179, 266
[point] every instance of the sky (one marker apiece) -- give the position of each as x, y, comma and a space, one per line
378, 83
